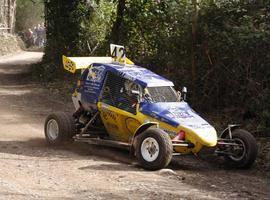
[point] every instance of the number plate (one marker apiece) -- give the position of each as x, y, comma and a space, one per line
118, 54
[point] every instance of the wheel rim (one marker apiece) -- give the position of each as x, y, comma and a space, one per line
239, 151
52, 129
149, 149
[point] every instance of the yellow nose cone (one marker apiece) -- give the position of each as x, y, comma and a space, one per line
207, 136
204, 136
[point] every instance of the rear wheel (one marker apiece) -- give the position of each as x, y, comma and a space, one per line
244, 153
154, 149
59, 127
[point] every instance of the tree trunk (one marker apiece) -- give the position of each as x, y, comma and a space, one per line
7, 15
193, 48
12, 11
116, 29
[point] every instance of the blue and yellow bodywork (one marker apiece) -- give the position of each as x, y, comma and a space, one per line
121, 125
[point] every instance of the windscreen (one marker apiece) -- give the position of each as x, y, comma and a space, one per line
162, 94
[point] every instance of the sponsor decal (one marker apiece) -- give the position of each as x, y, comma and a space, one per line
109, 115
95, 73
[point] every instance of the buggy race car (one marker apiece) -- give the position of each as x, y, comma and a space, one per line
123, 105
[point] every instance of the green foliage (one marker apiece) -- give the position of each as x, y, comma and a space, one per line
233, 52
65, 24
157, 35
28, 14
100, 24
74, 28
265, 120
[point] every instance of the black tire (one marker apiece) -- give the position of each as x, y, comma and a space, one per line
164, 155
244, 158
66, 128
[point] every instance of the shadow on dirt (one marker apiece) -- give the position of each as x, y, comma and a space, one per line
37, 147
197, 172
14, 75
112, 167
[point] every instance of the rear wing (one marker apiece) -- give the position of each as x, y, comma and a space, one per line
72, 64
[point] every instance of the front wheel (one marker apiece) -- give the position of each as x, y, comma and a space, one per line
154, 149
244, 153
59, 127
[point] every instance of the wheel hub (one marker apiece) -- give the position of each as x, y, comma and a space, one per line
239, 151
150, 149
52, 129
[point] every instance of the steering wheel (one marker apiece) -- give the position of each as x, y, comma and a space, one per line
107, 91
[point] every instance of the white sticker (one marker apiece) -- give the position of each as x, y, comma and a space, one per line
118, 54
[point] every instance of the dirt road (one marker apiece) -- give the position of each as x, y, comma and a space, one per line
29, 169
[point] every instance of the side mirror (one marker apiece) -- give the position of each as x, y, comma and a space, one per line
178, 93
184, 92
